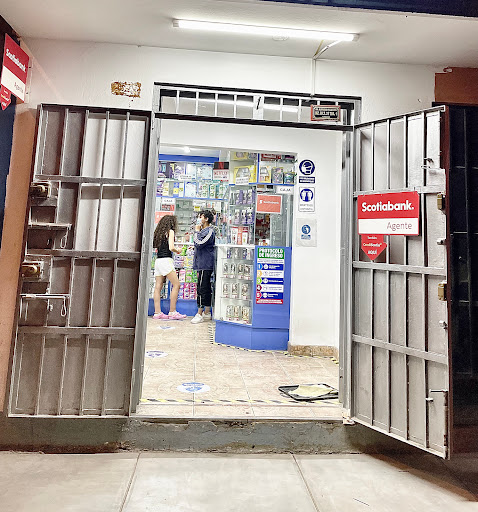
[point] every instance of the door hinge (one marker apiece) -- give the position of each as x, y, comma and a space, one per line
442, 291
441, 201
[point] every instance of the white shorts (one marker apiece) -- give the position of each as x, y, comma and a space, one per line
163, 266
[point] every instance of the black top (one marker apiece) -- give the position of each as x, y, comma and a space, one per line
163, 249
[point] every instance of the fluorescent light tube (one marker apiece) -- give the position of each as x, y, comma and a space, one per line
264, 31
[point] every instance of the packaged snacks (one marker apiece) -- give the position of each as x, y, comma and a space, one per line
240, 270
237, 253
237, 312
265, 174
245, 291
212, 190
246, 314
247, 274
289, 178
232, 270
226, 290
229, 253
235, 291
225, 269
182, 276
186, 291
278, 175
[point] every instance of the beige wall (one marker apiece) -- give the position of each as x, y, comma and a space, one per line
10, 254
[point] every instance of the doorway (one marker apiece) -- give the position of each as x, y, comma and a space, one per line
187, 371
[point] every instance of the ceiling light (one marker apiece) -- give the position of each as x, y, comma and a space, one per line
187, 149
264, 31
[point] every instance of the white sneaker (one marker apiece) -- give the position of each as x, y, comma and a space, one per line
206, 316
197, 319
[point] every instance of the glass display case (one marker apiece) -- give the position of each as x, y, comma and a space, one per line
234, 284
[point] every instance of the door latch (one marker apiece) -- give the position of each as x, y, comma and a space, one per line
442, 291
40, 190
441, 201
31, 269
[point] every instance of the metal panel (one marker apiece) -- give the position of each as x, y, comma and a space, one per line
400, 368
73, 352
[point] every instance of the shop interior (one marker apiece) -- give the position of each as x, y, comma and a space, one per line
189, 369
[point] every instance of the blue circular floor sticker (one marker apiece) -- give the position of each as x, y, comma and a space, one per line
193, 387
156, 353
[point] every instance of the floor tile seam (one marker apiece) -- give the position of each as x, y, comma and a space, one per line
130, 484
245, 386
309, 490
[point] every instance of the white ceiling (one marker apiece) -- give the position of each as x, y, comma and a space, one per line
384, 37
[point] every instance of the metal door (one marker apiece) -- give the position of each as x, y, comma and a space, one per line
84, 269
399, 341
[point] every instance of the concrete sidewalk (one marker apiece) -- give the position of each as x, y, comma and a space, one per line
133, 482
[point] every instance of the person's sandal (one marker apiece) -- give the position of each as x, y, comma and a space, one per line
176, 316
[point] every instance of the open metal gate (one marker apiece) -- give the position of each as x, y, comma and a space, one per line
84, 267
399, 354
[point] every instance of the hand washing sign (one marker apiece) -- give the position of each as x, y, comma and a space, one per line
395, 213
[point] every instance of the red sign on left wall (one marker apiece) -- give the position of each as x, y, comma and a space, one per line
14, 72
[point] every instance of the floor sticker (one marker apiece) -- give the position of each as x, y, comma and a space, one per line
156, 353
193, 387
166, 327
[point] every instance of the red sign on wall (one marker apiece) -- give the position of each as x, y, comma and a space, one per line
269, 203
15, 68
395, 213
373, 245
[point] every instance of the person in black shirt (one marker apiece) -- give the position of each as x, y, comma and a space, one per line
163, 242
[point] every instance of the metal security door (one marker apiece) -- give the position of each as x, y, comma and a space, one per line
84, 268
400, 378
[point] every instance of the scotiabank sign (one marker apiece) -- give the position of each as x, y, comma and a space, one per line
15, 68
396, 213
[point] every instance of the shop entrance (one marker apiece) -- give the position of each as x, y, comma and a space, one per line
80, 342
234, 365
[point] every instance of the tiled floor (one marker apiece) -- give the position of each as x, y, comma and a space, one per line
241, 382
202, 482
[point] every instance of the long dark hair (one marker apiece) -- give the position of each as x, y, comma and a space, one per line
161, 232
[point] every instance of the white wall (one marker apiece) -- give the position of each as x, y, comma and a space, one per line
315, 270
81, 73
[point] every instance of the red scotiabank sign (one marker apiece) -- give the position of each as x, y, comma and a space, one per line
395, 213
269, 203
15, 69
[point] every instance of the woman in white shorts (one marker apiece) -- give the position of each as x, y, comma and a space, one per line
163, 242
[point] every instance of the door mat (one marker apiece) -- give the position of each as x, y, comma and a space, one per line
310, 392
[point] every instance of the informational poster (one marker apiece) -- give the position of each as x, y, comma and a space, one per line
306, 171
306, 233
270, 275
307, 199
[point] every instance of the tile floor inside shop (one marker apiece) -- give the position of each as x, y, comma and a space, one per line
240, 382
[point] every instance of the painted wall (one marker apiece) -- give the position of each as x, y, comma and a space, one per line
81, 73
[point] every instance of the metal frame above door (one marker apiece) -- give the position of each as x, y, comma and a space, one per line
398, 355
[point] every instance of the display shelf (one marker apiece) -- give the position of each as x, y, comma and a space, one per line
193, 198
